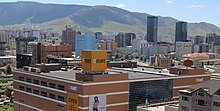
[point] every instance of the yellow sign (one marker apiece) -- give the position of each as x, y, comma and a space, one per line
72, 102
94, 60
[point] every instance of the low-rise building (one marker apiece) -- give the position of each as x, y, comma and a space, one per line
118, 89
161, 61
201, 97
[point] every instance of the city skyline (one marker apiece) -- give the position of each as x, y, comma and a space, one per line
189, 11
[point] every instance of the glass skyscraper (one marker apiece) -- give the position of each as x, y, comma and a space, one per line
152, 28
86, 41
181, 31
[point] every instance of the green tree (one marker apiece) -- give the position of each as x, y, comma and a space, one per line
8, 70
137, 57
116, 56
1, 64
141, 58
126, 57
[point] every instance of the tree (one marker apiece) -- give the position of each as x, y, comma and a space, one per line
1, 64
126, 57
116, 56
141, 58
137, 57
8, 70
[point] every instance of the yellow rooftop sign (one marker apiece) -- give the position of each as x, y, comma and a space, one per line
94, 60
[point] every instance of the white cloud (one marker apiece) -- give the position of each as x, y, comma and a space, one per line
169, 1
120, 5
196, 6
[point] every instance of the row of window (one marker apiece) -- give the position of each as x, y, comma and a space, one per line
42, 93
43, 83
201, 102
217, 104
201, 94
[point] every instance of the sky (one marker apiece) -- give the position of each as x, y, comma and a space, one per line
184, 10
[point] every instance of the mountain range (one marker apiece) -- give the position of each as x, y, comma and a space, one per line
106, 19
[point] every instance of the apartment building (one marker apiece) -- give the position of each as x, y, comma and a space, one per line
201, 97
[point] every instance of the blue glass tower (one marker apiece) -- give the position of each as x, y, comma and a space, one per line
152, 28
181, 31
86, 41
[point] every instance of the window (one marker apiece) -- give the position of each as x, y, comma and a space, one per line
21, 88
184, 108
53, 96
61, 98
21, 78
201, 93
202, 102
36, 81
43, 93
217, 104
52, 85
184, 98
61, 87
28, 90
29, 80
43, 83
36, 91
60, 105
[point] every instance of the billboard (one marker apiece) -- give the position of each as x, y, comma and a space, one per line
94, 60
72, 102
97, 102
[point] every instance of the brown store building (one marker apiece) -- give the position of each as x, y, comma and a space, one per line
41, 52
117, 89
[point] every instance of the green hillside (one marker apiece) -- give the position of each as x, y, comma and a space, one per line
89, 18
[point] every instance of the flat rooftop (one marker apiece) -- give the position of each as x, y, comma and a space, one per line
142, 72
70, 74
133, 73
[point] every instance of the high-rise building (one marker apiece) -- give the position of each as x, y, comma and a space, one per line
23, 46
124, 39
129, 37
68, 36
5, 36
198, 40
99, 36
109, 45
181, 31
152, 28
2, 48
86, 41
183, 48
4, 41
41, 52
212, 38
120, 39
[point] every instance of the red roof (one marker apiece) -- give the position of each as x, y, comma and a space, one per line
196, 55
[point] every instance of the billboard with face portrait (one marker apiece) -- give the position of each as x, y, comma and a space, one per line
72, 102
97, 102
